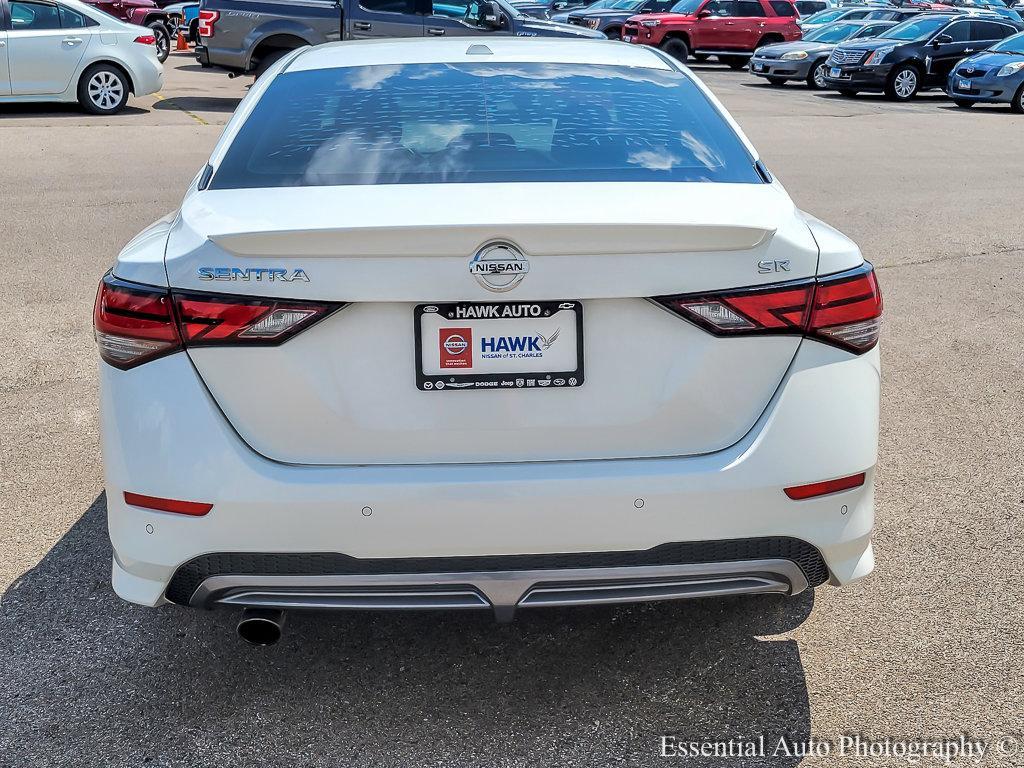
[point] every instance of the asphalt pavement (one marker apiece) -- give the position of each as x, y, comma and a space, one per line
928, 647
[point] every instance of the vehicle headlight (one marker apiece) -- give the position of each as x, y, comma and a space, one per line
592, 23
650, 23
1010, 69
878, 55
794, 55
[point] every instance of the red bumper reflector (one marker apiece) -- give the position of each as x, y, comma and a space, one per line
194, 508
829, 486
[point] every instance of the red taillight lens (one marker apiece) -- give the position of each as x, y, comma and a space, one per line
847, 311
138, 323
133, 323
207, 19
193, 508
843, 309
214, 319
145, 40
809, 491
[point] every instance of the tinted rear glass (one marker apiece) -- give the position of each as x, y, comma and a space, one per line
435, 123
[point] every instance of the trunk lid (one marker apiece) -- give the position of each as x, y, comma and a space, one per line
345, 390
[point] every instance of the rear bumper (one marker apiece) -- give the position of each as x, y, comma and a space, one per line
524, 526
323, 583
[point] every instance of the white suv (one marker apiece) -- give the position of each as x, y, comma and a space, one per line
453, 325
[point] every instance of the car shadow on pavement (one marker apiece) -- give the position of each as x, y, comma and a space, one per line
90, 680
224, 104
51, 109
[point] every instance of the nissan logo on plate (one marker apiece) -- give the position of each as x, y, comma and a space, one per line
499, 267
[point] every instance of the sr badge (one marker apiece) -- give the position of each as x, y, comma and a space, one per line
499, 267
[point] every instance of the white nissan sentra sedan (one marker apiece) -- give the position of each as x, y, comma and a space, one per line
70, 51
445, 324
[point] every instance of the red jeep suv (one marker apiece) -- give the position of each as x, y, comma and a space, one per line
729, 29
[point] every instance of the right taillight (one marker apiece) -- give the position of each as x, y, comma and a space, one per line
207, 19
844, 309
137, 323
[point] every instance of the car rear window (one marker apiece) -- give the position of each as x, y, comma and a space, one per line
437, 123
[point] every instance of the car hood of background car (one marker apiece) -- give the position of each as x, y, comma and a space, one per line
871, 43
662, 17
797, 45
603, 13
543, 27
990, 60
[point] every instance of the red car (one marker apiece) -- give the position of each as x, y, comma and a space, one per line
145, 13
729, 29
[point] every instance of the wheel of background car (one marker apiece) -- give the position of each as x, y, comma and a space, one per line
963, 103
267, 60
1017, 105
103, 89
778, 82
163, 40
903, 83
676, 48
816, 77
734, 62
700, 57
847, 92
614, 33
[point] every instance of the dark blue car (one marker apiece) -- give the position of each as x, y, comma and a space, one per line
994, 76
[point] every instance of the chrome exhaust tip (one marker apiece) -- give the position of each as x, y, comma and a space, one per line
261, 626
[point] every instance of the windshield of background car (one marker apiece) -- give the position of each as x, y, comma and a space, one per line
509, 122
688, 7
831, 33
1014, 44
916, 29
823, 16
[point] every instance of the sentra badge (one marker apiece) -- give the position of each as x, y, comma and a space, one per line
253, 274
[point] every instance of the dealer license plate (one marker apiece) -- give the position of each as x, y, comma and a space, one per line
507, 345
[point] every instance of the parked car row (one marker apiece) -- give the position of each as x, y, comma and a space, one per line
974, 59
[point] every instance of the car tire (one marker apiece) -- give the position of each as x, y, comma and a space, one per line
615, 33
103, 89
676, 48
816, 77
778, 82
163, 40
734, 62
701, 57
904, 83
269, 59
193, 31
1017, 105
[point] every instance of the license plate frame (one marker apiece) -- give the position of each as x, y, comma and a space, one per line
471, 315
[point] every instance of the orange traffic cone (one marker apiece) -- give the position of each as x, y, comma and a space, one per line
182, 44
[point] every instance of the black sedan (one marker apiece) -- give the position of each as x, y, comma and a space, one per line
912, 56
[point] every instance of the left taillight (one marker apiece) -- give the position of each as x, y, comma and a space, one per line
133, 323
844, 309
137, 323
